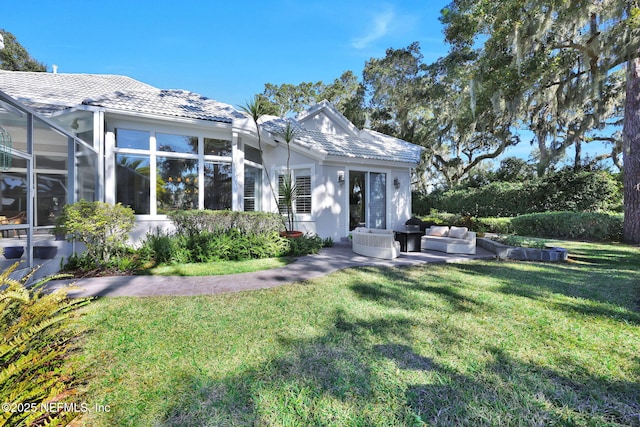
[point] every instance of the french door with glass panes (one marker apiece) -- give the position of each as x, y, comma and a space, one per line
367, 199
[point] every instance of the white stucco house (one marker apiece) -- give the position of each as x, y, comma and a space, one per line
115, 139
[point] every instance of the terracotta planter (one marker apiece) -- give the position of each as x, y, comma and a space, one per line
292, 234
13, 252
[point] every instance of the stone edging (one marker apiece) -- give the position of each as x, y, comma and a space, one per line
554, 254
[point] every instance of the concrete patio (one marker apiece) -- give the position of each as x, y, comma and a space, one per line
304, 268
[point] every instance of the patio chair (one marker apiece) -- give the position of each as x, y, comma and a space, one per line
21, 218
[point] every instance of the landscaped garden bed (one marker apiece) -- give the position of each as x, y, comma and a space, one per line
199, 237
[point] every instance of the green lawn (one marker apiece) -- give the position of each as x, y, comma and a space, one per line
217, 268
482, 343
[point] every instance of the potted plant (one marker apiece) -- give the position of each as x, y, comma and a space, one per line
287, 190
13, 252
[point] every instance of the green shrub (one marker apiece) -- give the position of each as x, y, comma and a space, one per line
207, 246
494, 225
196, 221
304, 245
524, 242
570, 225
103, 228
160, 247
566, 190
35, 342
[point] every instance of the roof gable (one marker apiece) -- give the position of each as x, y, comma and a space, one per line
367, 144
324, 117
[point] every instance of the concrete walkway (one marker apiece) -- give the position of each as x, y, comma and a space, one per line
304, 268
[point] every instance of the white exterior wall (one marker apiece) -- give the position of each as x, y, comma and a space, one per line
399, 210
330, 199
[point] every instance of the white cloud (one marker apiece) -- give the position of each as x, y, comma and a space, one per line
380, 27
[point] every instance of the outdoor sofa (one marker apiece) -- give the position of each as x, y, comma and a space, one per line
375, 243
452, 240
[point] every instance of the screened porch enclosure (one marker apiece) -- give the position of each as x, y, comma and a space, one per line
43, 168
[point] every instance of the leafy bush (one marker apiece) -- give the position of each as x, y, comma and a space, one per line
160, 247
565, 190
35, 342
207, 246
304, 245
193, 222
570, 225
103, 228
494, 225
524, 242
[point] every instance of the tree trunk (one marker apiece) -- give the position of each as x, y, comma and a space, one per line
577, 160
631, 154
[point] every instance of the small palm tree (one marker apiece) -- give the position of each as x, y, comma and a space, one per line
287, 190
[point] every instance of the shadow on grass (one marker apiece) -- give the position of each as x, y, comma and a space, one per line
398, 288
338, 377
605, 283
534, 396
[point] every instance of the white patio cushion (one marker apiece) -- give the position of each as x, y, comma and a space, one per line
458, 232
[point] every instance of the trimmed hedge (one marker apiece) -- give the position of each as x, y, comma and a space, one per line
488, 225
605, 226
570, 225
566, 190
207, 236
197, 221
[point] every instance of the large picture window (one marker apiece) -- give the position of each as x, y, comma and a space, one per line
217, 147
134, 139
183, 177
177, 143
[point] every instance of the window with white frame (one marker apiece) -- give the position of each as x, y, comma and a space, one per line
302, 182
174, 172
252, 188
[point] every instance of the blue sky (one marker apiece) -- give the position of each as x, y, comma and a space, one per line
220, 49
223, 50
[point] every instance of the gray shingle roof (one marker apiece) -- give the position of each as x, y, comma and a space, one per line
47, 89
48, 93
367, 144
175, 103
